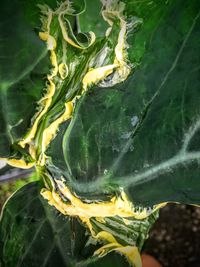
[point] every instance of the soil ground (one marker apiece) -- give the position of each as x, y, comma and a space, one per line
174, 239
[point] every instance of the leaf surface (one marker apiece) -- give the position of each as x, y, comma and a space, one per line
23, 64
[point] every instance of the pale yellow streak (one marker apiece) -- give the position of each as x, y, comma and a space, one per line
50, 132
51, 42
94, 76
51, 46
47, 99
130, 252
47, 102
106, 236
63, 70
54, 63
68, 39
120, 47
32, 151
50, 16
19, 163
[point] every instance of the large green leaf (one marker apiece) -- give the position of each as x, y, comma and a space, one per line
23, 64
143, 134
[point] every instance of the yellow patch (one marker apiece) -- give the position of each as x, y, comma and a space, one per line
19, 163
118, 206
50, 132
47, 102
63, 70
130, 252
94, 76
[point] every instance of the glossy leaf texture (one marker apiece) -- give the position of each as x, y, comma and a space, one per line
32, 233
142, 135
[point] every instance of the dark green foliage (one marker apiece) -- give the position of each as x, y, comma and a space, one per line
141, 134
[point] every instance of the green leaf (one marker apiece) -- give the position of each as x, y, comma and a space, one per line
23, 64
91, 19
143, 135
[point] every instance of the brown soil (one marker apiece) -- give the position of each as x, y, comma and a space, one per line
175, 238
